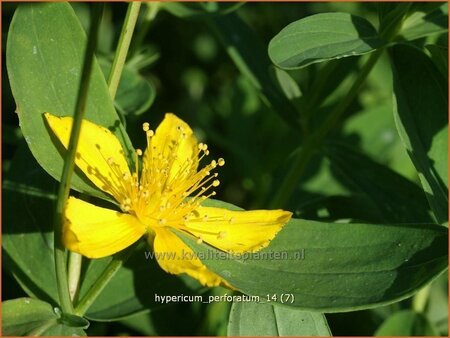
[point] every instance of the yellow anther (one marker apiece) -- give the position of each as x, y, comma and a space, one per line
150, 133
213, 164
146, 126
139, 152
110, 160
216, 183
221, 162
199, 240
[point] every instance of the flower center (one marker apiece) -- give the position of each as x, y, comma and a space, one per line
169, 186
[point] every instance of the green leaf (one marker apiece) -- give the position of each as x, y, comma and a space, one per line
421, 24
27, 228
322, 37
391, 197
420, 111
286, 83
135, 94
74, 320
200, 10
439, 55
28, 316
406, 323
259, 319
250, 57
45, 51
23, 315
331, 267
64, 330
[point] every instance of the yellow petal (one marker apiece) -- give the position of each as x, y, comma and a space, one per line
237, 231
98, 232
176, 257
175, 142
99, 154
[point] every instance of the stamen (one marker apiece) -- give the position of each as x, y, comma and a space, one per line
166, 180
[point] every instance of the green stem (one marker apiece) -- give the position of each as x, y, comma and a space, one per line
64, 187
103, 280
75, 260
152, 10
311, 144
122, 47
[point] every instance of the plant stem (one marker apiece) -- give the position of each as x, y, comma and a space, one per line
152, 10
64, 187
75, 260
113, 83
311, 144
122, 47
103, 280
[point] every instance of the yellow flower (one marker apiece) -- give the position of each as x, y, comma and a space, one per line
166, 193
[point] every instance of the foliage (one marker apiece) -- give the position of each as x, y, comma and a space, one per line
334, 111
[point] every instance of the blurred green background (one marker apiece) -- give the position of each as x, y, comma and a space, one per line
180, 65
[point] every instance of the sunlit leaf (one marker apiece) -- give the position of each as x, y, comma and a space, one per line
322, 37
259, 319
44, 56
